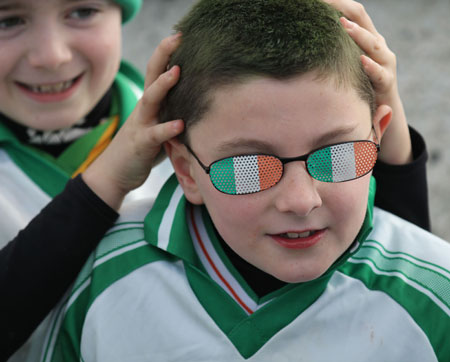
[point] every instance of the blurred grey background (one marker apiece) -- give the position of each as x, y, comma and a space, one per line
416, 30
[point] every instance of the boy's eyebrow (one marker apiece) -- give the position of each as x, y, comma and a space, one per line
260, 146
329, 137
241, 144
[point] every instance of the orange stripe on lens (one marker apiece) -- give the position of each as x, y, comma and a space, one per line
270, 171
365, 157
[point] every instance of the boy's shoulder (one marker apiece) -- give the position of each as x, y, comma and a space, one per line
129, 245
397, 246
128, 233
400, 249
397, 234
123, 250
411, 268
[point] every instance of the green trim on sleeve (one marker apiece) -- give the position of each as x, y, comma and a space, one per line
414, 284
112, 262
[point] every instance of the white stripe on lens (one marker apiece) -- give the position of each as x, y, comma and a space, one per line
343, 162
246, 174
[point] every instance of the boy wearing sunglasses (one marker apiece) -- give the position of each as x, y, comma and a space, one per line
266, 245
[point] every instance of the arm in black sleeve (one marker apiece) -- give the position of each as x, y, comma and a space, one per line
38, 266
403, 189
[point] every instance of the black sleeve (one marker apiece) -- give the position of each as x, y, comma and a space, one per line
403, 189
38, 266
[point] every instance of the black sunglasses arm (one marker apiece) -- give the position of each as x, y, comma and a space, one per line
205, 168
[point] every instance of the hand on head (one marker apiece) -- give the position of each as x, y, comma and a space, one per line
380, 65
128, 160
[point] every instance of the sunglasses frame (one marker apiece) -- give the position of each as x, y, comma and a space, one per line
285, 160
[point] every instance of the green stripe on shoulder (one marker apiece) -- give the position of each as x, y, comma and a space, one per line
121, 252
421, 288
419, 273
122, 236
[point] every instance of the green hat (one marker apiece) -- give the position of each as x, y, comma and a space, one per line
129, 8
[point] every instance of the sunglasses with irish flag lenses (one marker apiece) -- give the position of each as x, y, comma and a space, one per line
247, 174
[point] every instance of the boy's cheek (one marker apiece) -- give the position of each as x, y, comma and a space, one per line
347, 194
108, 41
348, 203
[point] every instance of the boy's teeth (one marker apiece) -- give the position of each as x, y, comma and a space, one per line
299, 235
51, 88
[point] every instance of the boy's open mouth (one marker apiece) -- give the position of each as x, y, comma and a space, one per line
298, 235
50, 88
299, 240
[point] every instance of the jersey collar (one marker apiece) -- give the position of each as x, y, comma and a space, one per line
187, 232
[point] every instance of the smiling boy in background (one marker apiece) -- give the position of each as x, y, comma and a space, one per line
64, 92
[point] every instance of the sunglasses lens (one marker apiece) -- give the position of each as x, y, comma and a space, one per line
342, 162
246, 174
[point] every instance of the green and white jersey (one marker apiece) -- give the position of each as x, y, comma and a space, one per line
29, 178
160, 288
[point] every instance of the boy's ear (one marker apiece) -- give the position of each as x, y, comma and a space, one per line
182, 164
381, 120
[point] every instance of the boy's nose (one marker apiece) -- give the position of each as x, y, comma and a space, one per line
49, 50
297, 192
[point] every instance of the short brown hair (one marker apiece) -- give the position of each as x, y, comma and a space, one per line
226, 42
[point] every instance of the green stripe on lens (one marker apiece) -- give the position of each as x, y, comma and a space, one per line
222, 176
320, 165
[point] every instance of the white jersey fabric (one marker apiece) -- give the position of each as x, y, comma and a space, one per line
160, 288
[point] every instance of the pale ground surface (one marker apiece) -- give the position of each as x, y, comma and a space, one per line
416, 30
